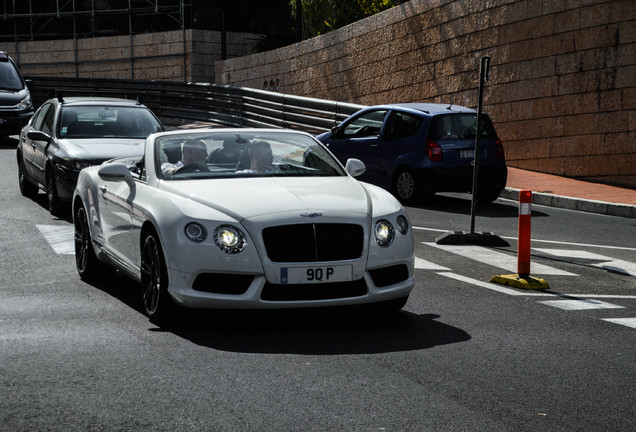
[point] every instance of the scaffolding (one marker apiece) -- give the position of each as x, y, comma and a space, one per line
35, 20
62, 19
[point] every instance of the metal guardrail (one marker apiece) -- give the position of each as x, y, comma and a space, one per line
203, 102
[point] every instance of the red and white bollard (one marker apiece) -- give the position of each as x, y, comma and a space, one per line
523, 279
523, 245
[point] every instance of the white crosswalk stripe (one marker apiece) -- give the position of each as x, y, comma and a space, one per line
498, 259
423, 264
629, 322
61, 238
602, 261
580, 304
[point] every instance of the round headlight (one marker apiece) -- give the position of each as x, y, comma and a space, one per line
196, 232
229, 239
402, 224
384, 232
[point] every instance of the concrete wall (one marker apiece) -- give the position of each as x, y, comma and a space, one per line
149, 56
562, 88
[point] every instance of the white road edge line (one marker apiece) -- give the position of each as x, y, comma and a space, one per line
501, 289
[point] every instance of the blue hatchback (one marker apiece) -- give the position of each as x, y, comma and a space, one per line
416, 149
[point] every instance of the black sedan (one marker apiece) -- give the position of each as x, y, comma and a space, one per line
66, 135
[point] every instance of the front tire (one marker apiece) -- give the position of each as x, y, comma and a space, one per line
27, 188
158, 304
55, 207
88, 266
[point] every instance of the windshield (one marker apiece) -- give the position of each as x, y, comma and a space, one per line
9, 78
103, 121
198, 155
460, 126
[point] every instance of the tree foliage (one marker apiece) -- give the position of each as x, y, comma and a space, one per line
322, 16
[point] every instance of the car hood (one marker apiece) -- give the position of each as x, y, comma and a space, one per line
250, 198
9, 98
101, 149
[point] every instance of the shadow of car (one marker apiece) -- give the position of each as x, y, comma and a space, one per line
416, 150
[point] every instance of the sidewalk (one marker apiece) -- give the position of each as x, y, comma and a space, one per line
556, 191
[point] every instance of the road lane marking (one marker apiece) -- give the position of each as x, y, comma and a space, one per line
509, 291
488, 285
629, 322
494, 258
603, 262
60, 238
542, 241
423, 264
580, 304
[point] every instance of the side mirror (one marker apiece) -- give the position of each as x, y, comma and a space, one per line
336, 130
115, 172
355, 167
38, 136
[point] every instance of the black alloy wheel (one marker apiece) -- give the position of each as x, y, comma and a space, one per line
88, 266
158, 304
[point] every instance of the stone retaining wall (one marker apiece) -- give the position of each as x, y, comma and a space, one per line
148, 56
562, 88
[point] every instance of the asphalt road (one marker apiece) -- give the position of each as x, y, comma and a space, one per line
465, 354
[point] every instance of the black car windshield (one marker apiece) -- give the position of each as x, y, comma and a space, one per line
460, 126
204, 155
103, 121
9, 78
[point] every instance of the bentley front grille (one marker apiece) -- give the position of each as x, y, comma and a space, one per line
313, 242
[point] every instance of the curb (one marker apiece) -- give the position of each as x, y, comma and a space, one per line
569, 203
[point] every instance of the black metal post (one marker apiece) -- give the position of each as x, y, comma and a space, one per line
483, 75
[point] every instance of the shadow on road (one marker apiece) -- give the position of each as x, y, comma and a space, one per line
347, 330
461, 204
319, 331
9, 142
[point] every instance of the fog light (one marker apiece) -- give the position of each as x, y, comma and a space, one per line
195, 232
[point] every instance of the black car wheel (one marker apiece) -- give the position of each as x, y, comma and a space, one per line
51, 193
27, 188
88, 266
488, 195
158, 304
405, 187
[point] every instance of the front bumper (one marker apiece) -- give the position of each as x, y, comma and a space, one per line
255, 292
11, 122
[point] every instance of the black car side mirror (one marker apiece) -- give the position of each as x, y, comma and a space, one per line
38, 136
336, 130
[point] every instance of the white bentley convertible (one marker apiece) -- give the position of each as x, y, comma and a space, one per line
243, 218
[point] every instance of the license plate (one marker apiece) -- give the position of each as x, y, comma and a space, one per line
308, 275
467, 154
